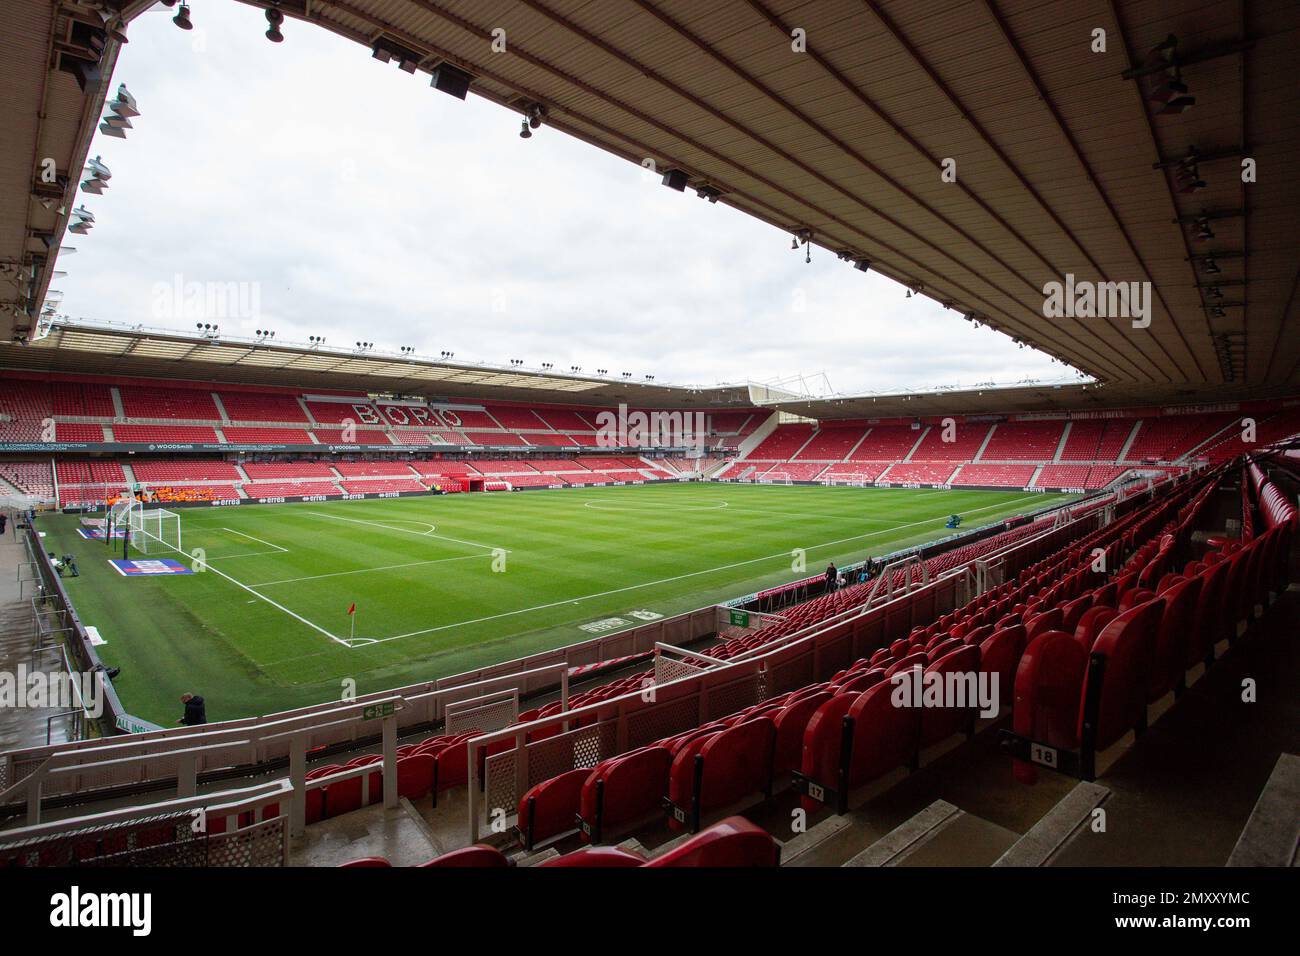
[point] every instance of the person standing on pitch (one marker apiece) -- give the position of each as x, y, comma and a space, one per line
4, 520
832, 577
196, 711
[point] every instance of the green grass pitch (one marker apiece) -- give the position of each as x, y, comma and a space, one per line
266, 628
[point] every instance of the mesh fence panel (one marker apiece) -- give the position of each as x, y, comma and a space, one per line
669, 669
671, 717
484, 717
163, 840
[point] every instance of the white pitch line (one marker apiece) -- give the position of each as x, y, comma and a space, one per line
274, 604
389, 567
247, 554
692, 574
418, 534
258, 540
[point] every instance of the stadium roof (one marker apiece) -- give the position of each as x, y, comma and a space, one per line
1064, 164
78, 347
81, 347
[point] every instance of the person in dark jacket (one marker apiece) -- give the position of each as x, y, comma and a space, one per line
832, 576
4, 520
195, 711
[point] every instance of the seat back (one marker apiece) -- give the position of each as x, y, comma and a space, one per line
470, 857
737, 763
791, 722
960, 666
1090, 625
884, 735
632, 787
1048, 683
821, 743
1000, 655
1127, 643
1175, 635
552, 807
730, 842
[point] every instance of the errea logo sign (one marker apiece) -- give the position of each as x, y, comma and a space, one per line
75, 909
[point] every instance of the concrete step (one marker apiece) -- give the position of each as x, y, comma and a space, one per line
1056, 827
940, 835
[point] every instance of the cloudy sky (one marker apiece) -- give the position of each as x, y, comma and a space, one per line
354, 202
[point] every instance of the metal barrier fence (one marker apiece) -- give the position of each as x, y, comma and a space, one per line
244, 827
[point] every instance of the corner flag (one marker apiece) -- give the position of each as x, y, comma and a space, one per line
352, 619
352, 608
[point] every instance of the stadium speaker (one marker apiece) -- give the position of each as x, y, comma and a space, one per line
862, 265
87, 72
451, 80
675, 179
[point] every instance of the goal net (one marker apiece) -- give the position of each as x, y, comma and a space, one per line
154, 530
775, 478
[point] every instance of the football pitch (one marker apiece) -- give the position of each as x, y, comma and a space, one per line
442, 584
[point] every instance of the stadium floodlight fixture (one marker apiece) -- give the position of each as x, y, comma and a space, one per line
112, 131
98, 179
117, 122
676, 179
264, 335
385, 50
182, 18
524, 131
575, 369
113, 25
711, 193
1162, 52
124, 104
448, 355
516, 362
83, 220
1203, 231
274, 19
548, 365
1212, 267
627, 374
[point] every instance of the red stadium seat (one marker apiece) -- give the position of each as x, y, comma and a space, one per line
551, 808
730, 842
475, 857
729, 766
624, 790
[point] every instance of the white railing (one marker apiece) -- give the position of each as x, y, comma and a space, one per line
427, 700
228, 806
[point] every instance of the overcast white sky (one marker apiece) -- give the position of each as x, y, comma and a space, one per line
361, 204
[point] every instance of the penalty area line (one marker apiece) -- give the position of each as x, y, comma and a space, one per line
418, 534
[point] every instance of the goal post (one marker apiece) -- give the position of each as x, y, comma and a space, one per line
775, 478
154, 529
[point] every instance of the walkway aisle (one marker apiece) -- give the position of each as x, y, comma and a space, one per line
20, 726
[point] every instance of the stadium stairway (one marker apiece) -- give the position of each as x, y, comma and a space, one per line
20, 726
